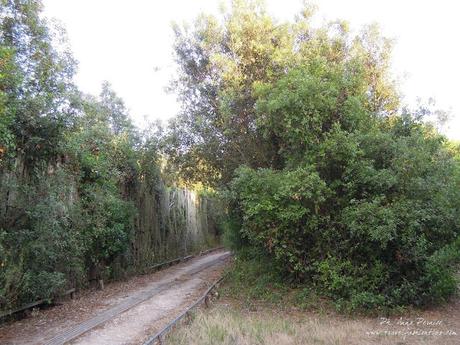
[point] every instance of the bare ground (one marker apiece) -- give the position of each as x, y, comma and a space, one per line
172, 290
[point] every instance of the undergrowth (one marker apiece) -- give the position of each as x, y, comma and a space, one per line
252, 280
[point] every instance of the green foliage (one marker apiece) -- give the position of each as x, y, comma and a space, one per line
441, 272
106, 226
62, 210
369, 220
43, 80
331, 179
69, 220
8, 82
275, 208
253, 279
41, 255
103, 156
114, 111
81, 195
236, 73
232, 236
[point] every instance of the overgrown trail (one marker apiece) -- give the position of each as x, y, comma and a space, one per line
126, 313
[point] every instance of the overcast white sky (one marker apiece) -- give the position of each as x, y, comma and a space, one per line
125, 42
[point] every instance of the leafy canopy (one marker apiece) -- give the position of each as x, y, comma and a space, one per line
226, 65
326, 175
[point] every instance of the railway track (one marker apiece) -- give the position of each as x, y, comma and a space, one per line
127, 317
74, 332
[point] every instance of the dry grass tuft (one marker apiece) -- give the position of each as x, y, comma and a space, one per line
223, 325
226, 325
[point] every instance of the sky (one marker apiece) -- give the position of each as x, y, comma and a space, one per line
129, 44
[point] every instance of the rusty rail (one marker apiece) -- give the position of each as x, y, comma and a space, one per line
204, 298
178, 260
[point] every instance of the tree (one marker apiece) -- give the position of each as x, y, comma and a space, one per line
336, 185
46, 69
8, 83
81, 197
224, 67
114, 109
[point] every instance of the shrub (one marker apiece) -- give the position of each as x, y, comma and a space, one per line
41, 256
368, 217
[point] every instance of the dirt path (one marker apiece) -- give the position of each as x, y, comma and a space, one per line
124, 313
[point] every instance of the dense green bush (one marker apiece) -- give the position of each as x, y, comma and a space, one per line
252, 279
40, 253
369, 217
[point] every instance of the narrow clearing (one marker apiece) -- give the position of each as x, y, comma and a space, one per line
124, 313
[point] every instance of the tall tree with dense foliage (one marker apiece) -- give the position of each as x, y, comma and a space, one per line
45, 78
37, 248
8, 81
336, 184
223, 65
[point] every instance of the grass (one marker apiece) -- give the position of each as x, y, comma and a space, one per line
226, 325
256, 307
233, 324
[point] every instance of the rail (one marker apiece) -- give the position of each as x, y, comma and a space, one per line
204, 298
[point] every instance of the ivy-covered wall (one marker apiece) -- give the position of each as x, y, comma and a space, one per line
171, 222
